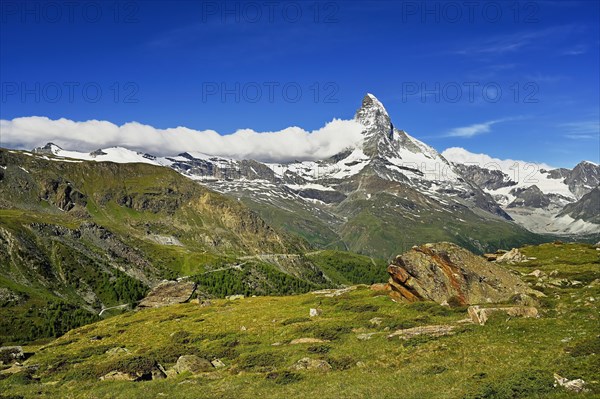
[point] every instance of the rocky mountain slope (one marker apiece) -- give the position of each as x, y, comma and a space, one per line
539, 199
586, 209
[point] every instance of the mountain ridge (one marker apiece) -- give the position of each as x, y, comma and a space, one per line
391, 154
330, 202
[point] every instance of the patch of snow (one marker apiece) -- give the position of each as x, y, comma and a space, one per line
314, 186
113, 154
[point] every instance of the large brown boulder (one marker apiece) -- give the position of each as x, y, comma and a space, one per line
446, 273
169, 293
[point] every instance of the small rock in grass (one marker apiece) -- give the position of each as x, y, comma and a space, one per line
193, 364
577, 385
307, 363
364, 337
117, 350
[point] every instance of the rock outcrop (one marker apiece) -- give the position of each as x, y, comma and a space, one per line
169, 293
445, 272
512, 256
307, 363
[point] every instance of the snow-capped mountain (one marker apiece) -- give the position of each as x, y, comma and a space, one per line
112, 154
389, 190
534, 196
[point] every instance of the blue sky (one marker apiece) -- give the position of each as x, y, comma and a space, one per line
170, 64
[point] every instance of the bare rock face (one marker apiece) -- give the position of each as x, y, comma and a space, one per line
169, 293
445, 272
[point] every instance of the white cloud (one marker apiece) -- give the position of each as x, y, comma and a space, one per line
472, 130
292, 143
460, 155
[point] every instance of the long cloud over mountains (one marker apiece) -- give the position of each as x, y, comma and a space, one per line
292, 143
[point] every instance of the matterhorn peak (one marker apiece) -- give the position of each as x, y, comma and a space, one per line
371, 100
377, 124
371, 111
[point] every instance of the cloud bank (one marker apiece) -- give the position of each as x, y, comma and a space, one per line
292, 143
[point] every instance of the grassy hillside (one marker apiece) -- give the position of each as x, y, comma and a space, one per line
82, 236
506, 358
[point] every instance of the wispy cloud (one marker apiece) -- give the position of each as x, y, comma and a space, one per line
473, 130
581, 136
582, 130
509, 43
575, 50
